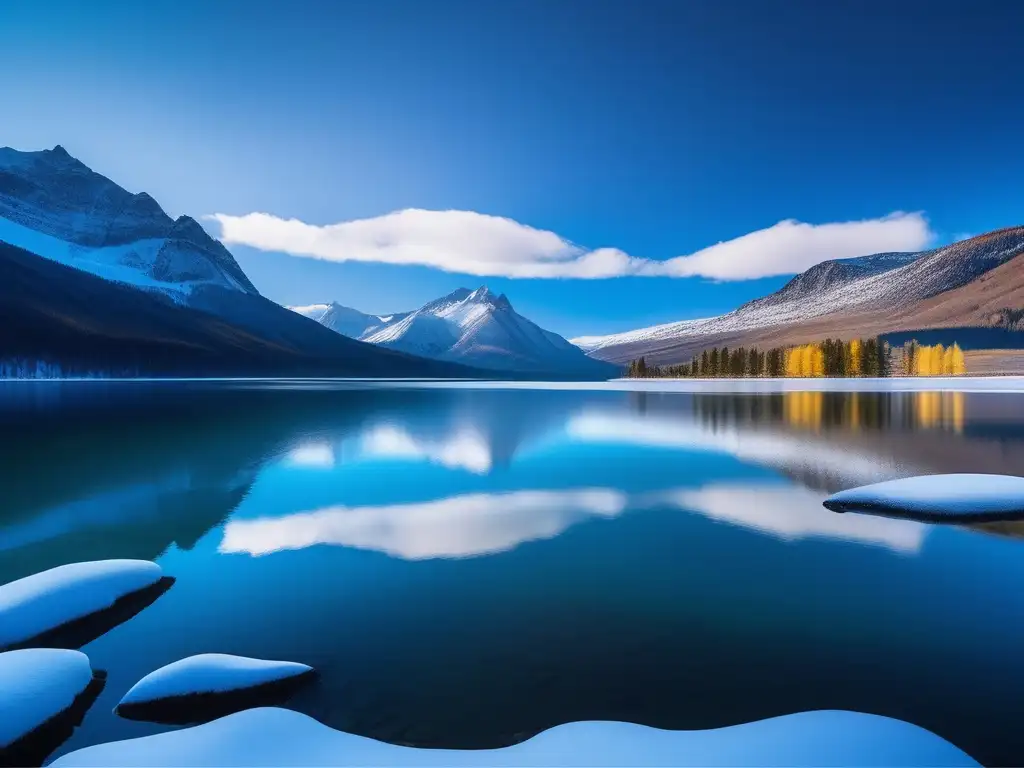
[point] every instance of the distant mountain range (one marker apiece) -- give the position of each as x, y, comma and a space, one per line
475, 328
967, 283
98, 281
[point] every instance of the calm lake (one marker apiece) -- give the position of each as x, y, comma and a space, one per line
468, 567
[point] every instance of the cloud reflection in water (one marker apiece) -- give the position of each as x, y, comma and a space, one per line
487, 523
457, 526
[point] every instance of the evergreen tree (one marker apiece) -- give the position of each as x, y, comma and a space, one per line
705, 364
723, 362
739, 362
713, 362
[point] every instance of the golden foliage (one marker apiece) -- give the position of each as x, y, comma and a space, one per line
933, 360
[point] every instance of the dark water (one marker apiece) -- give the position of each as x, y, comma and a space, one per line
467, 568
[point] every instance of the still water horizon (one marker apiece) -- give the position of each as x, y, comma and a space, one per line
466, 567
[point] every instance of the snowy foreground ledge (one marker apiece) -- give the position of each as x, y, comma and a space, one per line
44, 692
280, 737
33, 608
201, 688
937, 498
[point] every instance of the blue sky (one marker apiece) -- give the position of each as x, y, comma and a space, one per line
643, 131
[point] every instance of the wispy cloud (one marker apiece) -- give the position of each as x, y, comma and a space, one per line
482, 245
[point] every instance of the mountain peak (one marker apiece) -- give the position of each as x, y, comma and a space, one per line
482, 295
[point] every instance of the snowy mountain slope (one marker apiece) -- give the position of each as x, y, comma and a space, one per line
98, 280
831, 289
471, 327
80, 324
347, 321
56, 207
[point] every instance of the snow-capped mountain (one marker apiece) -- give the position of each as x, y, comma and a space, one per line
835, 289
473, 327
100, 281
345, 320
55, 206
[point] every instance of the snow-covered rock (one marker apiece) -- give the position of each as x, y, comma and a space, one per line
477, 328
959, 497
33, 608
43, 694
210, 685
56, 207
280, 737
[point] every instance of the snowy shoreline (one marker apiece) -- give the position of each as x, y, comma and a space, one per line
1004, 384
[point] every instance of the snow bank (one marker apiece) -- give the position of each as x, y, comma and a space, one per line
37, 684
280, 737
44, 693
942, 498
35, 606
210, 685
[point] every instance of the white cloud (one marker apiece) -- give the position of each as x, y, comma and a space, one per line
478, 244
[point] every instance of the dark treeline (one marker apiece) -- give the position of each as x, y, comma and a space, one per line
831, 358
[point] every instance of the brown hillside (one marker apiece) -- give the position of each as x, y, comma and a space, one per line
976, 303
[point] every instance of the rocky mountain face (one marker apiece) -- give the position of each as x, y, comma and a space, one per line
58, 208
98, 281
877, 294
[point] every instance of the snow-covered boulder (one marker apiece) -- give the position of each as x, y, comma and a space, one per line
71, 605
44, 693
937, 498
204, 687
280, 737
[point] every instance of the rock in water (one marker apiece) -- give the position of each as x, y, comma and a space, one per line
71, 605
937, 498
44, 693
201, 688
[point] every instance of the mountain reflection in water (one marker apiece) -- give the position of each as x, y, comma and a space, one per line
466, 568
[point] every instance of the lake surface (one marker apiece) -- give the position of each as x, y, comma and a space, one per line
468, 567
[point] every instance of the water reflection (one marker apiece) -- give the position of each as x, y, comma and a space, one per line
468, 568
793, 513
482, 524
457, 526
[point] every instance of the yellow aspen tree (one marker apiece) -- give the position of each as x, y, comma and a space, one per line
793, 356
806, 361
921, 361
959, 366
855, 359
947, 362
817, 355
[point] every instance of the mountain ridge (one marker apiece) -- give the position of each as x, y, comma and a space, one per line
57, 207
101, 281
474, 327
878, 293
